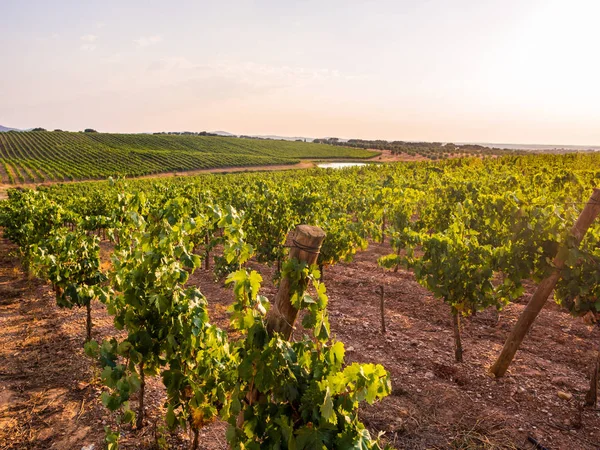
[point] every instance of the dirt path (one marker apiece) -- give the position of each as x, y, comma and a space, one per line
49, 390
44, 395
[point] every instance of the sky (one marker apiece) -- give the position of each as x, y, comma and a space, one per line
501, 71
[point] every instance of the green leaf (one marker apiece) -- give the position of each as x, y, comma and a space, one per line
170, 418
327, 407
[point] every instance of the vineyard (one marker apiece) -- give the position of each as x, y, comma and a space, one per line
213, 317
39, 156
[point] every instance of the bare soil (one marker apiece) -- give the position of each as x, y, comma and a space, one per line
49, 390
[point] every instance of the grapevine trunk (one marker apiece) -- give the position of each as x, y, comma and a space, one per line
196, 441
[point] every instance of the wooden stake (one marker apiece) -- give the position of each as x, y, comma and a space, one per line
307, 242
207, 252
544, 289
591, 398
382, 307
140, 416
458, 350
88, 323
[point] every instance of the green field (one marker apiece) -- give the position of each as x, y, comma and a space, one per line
39, 156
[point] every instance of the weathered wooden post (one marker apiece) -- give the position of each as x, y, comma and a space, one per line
306, 243
544, 289
591, 398
382, 307
88, 323
207, 251
458, 349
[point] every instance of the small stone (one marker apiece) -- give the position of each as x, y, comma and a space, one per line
564, 395
402, 412
350, 349
89, 447
560, 381
429, 375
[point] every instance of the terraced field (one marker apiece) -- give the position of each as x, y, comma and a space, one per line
39, 156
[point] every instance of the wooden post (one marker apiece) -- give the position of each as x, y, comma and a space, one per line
140, 415
88, 323
458, 349
591, 398
207, 252
382, 307
544, 289
306, 243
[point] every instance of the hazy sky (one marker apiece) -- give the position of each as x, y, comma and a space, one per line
525, 71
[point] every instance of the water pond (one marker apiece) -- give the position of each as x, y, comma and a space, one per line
340, 165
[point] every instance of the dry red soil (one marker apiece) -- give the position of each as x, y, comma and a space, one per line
49, 390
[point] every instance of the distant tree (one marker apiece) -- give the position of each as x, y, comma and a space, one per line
39, 129
58, 129
89, 130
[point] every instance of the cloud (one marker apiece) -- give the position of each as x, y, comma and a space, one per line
89, 38
48, 38
88, 42
113, 58
233, 79
249, 71
145, 41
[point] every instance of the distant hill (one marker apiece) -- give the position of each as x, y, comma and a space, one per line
7, 129
267, 136
284, 138
223, 133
